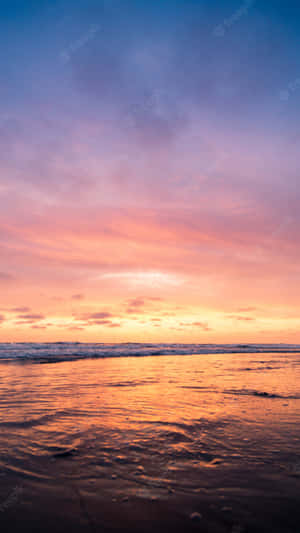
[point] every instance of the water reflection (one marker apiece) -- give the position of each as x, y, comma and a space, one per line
184, 421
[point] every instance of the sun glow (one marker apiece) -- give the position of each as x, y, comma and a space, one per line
153, 279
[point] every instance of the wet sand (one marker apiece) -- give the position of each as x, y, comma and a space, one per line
101, 506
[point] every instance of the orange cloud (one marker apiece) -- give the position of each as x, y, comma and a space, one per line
177, 263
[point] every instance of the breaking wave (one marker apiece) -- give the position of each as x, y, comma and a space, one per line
70, 351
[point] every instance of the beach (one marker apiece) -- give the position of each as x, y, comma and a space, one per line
201, 442
149, 275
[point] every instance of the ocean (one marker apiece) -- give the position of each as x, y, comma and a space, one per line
145, 437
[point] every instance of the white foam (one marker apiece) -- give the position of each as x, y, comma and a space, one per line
53, 352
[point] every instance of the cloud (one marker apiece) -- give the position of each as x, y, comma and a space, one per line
189, 244
203, 325
136, 302
145, 278
31, 317
100, 318
241, 318
96, 316
136, 305
2, 319
88, 317
105, 323
134, 311
20, 310
98, 322
77, 297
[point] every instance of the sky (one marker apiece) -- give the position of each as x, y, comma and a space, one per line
149, 171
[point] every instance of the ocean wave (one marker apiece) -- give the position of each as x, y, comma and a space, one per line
70, 351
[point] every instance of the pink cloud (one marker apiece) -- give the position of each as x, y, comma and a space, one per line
20, 310
31, 317
136, 302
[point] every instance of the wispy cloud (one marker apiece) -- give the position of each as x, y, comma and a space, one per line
146, 278
20, 310
241, 318
31, 317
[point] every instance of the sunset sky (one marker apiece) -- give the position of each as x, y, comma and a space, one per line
149, 170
